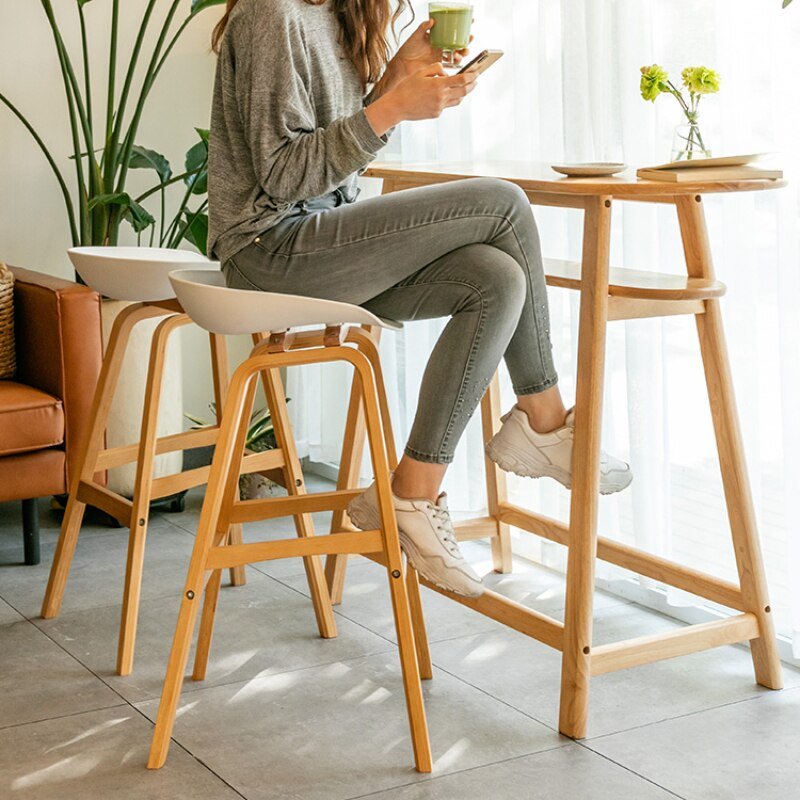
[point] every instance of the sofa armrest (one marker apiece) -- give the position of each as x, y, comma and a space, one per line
59, 344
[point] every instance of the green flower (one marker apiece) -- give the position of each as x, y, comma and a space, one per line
700, 80
654, 81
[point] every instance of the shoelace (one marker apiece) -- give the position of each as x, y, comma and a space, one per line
448, 536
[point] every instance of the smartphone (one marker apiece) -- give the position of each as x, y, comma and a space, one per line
482, 62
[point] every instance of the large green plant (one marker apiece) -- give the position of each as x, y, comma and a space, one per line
105, 153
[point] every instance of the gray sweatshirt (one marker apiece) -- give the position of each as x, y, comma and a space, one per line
288, 121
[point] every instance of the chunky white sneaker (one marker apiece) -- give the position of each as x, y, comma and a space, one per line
517, 448
427, 538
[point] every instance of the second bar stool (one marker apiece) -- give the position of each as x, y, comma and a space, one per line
221, 310
141, 275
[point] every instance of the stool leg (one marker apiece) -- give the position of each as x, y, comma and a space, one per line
219, 373
352, 455
295, 485
738, 497
87, 460
226, 459
237, 574
203, 649
368, 345
496, 491
418, 623
394, 565
349, 466
578, 616
231, 494
140, 508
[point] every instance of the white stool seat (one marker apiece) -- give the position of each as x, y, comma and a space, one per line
213, 306
139, 274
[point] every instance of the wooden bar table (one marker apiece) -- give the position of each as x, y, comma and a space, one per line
607, 294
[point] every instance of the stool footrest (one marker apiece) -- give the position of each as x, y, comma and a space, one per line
112, 503
659, 569
274, 507
681, 642
361, 543
117, 456
179, 482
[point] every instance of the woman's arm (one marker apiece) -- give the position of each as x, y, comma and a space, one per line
416, 53
293, 159
423, 95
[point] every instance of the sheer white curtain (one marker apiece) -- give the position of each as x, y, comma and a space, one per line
568, 90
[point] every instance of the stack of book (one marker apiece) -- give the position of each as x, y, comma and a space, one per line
728, 168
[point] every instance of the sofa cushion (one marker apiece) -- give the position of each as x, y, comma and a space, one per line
29, 419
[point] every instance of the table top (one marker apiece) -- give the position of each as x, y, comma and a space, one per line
539, 177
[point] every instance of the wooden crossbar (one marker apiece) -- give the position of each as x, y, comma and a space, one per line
98, 496
681, 642
659, 569
117, 456
363, 542
274, 507
179, 482
508, 612
477, 528
513, 615
622, 308
262, 462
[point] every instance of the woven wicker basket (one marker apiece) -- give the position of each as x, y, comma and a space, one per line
7, 356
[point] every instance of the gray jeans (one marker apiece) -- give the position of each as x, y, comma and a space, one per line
468, 250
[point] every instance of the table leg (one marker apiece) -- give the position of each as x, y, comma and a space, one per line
578, 617
738, 498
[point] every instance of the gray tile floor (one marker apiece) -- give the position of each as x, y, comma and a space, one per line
284, 715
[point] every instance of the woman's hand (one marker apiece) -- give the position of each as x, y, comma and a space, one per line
417, 53
423, 95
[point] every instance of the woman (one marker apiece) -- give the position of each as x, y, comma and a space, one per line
293, 125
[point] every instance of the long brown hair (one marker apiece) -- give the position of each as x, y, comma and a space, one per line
364, 31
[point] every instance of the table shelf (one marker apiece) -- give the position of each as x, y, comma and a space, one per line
636, 284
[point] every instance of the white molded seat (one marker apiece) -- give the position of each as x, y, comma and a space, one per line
213, 306
140, 274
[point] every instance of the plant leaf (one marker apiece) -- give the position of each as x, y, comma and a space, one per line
786, 3
82, 3
142, 158
202, 5
116, 199
197, 164
195, 230
138, 216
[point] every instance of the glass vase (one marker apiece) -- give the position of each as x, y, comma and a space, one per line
688, 142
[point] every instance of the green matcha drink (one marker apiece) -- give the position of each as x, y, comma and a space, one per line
452, 28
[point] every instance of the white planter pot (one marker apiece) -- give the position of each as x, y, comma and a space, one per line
125, 419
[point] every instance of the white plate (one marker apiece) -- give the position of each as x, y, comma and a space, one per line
596, 169
721, 161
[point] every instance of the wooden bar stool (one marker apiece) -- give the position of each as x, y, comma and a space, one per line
224, 311
140, 275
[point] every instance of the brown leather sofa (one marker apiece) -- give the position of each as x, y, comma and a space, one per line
45, 409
